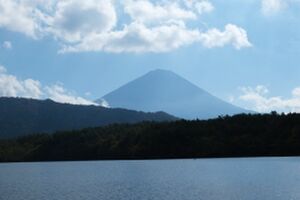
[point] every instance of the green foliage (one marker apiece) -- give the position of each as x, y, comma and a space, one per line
240, 135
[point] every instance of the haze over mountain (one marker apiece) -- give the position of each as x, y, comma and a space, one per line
162, 90
19, 116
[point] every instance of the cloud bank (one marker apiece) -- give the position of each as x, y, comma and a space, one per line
95, 25
11, 86
260, 101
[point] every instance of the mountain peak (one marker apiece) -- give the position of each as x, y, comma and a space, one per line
160, 71
164, 90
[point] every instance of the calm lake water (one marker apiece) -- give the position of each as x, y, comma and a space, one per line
208, 179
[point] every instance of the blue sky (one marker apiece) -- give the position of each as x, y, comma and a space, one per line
245, 52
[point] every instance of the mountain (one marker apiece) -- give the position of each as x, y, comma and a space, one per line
19, 116
162, 90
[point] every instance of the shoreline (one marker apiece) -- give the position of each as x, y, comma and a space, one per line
156, 159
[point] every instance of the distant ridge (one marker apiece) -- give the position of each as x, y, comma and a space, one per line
163, 90
20, 116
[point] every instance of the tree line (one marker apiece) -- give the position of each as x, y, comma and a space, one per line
237, 136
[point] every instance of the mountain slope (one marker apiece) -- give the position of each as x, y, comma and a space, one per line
19, 116
162, 90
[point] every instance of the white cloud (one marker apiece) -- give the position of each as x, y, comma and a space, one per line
74, 20
7, 45
231, 35
59, 94
138, 38
11, 86
32, 88
147, 12
68, 20
103, 103
271, 7
260, 101
19, 17
91, 25
202, 6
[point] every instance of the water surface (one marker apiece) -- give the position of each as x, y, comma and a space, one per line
207, 179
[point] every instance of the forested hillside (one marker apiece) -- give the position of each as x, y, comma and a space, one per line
20, 116
240, 135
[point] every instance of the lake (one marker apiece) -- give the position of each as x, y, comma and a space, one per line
207, 179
